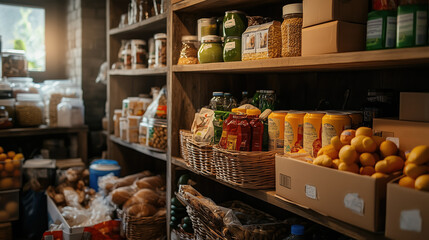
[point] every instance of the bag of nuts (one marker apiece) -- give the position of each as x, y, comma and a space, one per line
262, 41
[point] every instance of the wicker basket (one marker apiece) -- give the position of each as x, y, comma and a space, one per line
143, 228
197, 155
182, 235
185, 136
252, 170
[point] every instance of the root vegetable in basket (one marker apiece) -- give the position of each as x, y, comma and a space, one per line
122, 194
144, 195
152, 182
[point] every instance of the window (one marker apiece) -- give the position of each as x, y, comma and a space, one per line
23, 28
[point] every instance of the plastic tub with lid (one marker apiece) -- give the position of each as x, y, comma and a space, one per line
102, 167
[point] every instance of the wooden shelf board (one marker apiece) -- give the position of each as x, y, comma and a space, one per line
156, 23
270, 197
139, 148
42, 130
215, 5
388, 58
139, 72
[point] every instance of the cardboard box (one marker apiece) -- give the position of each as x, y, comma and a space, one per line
352, 198
414, 106
407, 213
410, 133
54, 216
321, 11
333, 37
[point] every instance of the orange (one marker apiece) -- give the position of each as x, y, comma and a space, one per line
18, 156
367, 159
422, 182
335, 163
16, 173
407, 182
419, 155
354, 168
323, 160
364, 131
8, 167
16, 163
394, 163
364, 144
379, 175
328, 150
11, 154
348, 154
4, 174
3, 156
335, 141
381, 167
367, 170
388, 148
347, 136
1, 149
413, 170
6, 183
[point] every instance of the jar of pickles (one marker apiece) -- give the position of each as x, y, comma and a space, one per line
210, 49
206, 26
160, 50
157, 134
232, 49
189, 52
234, 23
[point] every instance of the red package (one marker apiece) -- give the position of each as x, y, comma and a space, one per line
384, 4
108, 230
53, 235
239, 133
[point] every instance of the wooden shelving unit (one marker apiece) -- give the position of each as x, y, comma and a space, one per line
300, 81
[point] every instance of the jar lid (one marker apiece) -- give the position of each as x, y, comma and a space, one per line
13, 51
228, 94
233, 37
210, 38
217, 94
213, 20
133, 99
292, 8
253, 112
160, 36
297, 229
34, 97
20, 79
189, 38
138, 41
39, 163
7, 101
105, 165
338, 113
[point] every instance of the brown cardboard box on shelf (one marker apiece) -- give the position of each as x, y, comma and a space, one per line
356, 199
414, 106
410, 133
407, 213
333, 37
320, 11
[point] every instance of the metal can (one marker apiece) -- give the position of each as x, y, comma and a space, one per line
293, 132
276, 131
357, 119
333, 123
313, 132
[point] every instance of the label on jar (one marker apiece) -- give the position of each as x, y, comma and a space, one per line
229, 46
328, 132
249, 45
312, 143
229, 23
262, 41
390, 32
374, 28
421, 27
207, 46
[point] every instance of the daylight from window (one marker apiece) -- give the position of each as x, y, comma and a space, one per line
23, 28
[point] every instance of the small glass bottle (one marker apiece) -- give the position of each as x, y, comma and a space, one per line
291, 30
217, 101
229, 102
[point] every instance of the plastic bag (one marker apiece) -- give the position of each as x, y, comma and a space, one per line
102, 74
158, 108
202, 127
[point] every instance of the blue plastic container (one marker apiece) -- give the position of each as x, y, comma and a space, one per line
102, 167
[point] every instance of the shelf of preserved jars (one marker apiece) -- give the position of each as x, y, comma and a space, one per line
153, 152
270, 197
150, 25
337, 61
162, 71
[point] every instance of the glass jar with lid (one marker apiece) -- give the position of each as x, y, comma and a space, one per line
157, 134
5, 120
291, 30
210, 49
189, 52
14, 63
206, 26
138, 54
160, 50
268, 100
234, 23
29, 110
70, 112
232, 49
217, 101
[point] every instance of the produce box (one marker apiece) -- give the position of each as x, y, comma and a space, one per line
414, 106
54, 216
356, 199
407, 212
410, 133
10, 174
9, 206
320, 11
333, 37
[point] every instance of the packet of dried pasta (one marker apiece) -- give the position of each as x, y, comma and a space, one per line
262, 41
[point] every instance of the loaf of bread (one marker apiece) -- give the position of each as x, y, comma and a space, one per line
130, 179
142, 210
144, 195
122, 194
152, 182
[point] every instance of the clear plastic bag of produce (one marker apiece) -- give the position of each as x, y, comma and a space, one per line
158, 107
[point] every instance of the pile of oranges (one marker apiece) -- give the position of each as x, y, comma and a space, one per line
10, 169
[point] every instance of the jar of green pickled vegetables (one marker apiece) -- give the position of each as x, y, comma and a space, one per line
234, 23
210, 49
232, 49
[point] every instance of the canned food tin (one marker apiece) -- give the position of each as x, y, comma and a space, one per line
357, 119
293, 132
333, 123
276, 131
313, 132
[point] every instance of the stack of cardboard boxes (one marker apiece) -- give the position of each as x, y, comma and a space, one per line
332, 26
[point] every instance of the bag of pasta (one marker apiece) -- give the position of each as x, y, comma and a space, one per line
262, 41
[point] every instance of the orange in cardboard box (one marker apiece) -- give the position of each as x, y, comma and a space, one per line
419, 155
388, 148
422, 182
364, 131
367, 159
413, 170
347, 136
348, 154
407, 182
328, 150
